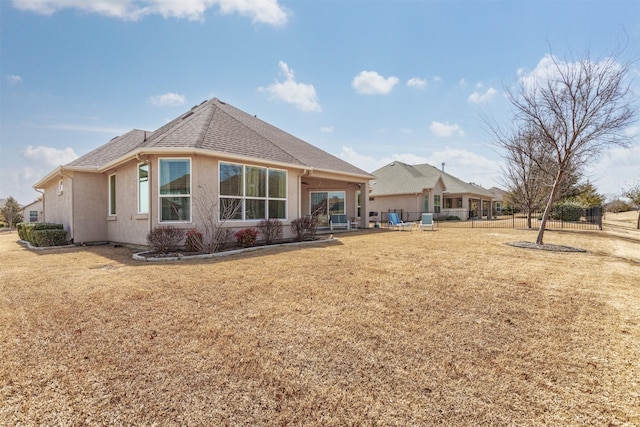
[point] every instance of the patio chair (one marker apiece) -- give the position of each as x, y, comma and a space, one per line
396, 222
339, 221
427, 221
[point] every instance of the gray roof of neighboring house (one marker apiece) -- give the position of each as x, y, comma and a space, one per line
219, 127
401, 178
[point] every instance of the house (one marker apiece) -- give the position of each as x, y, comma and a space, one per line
33, 211
414, 189
212, 158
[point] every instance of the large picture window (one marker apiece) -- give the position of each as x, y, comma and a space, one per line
143, 188
252, 192
175, 189
112, 194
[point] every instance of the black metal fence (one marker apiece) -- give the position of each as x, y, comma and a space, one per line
561, 218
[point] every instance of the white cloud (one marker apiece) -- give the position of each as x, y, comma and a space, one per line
262, 11
49, 155
85, 128
632, 131
14, 79
302, 95
372, 83
417, 83
482, 98
326, 129
445, 129
615, 170
169, 99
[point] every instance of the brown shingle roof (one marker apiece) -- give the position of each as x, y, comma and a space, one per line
400, 178
219, 127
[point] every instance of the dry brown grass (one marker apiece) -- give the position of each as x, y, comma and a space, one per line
451, 327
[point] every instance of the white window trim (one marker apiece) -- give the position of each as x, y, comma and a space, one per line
148, 185
244, 198
160, 196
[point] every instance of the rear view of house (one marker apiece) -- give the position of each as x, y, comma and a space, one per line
212, 160
416, 189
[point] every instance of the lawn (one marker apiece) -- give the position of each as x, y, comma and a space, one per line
450, 327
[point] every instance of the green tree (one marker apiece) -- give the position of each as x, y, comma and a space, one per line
633, 193
588, 196
11, 212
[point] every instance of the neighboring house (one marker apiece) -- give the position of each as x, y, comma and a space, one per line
210, 157
33, 211
414, 189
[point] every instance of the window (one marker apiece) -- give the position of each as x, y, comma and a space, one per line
143, 188
425, 203
175, 189
112, 194
358, 203
436, 203
453, 203
33, 216
60, 187
252, 192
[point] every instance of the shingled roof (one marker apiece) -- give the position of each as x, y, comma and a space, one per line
401, 178
217, 127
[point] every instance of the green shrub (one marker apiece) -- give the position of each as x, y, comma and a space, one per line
569, 211
48, 237
26, 231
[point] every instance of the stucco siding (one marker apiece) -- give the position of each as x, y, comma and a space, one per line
89, 207
58, 204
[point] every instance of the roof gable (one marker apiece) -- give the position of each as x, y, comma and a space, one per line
400, 178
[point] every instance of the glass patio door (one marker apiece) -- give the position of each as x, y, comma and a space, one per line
325, 203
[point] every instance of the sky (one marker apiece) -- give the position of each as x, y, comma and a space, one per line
368, 81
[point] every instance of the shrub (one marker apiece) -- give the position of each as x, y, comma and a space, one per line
271, 229
164, 239
48, 237
304, 228
193, 241
26, 231
221, 236
2, 224
247, 237
569, 211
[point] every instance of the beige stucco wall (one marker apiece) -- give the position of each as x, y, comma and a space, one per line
86, 217
89, 207
127, 225
57, 205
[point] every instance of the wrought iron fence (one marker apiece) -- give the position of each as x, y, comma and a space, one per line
561, 218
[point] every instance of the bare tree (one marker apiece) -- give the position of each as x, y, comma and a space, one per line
529, 172
575, 110
212, 217
633, 193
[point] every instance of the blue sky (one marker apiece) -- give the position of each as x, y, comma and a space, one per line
368, 81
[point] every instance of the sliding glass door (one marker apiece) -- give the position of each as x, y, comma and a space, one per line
325, 203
